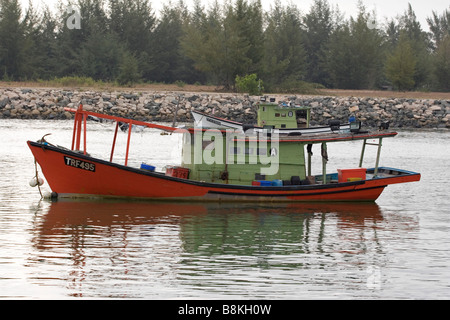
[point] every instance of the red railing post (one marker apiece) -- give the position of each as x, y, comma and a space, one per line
77, 128
114, 142
78, 123
84, 138
130, 126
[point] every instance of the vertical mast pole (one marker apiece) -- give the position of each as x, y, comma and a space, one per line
79, 117
378, 157
324, 162
362, 153
114, 142
130, 126
74, 130
84, 132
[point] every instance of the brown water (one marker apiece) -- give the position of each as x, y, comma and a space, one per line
397, 248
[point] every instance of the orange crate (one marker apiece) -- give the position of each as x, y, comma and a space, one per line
346, 175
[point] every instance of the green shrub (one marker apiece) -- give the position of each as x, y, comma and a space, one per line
180, 83
128, 70
249, 84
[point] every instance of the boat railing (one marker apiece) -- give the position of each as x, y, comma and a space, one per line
79, 128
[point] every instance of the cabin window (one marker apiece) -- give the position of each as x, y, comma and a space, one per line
283, 115
277, 115
290, 113
283, 126
302, 114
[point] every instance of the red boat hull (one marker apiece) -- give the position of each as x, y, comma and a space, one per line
71, 174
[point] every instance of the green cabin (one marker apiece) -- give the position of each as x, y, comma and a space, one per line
282, 116
231, 157
243, 158
237, 158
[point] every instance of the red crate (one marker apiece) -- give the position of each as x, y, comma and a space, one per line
177, 172
345, 175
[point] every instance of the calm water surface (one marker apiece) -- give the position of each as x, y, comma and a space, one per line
397, 248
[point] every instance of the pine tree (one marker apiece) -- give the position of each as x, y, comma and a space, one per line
442, 64
367, 51
193, 36
68, 43
439, 26
12, 40
318, 24
217, 46
339, 51
400, 66
249, 21
33, 58
128, 70
284, 57
100, 53
355, 54
166, 51
421, 46
133, 22
46, 46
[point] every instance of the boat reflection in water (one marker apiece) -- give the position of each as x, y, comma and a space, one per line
202, 225
101, 247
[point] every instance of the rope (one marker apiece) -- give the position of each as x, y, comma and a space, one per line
37, 178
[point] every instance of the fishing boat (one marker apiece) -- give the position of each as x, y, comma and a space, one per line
280, 118
216, 165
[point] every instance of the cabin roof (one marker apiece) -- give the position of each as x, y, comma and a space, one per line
283, 106
333, 137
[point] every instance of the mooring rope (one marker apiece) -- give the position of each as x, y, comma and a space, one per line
37, 178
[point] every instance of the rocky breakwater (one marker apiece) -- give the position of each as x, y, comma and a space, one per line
399, 112
40, 103
147, 106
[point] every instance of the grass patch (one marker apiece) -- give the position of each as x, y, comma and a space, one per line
298, 87
73, 82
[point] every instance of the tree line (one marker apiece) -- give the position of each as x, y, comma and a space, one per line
125, 41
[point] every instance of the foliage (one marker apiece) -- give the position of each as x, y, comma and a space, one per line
284, 54
128, 70
249, 84
225, 42
442, 64
12, 40
439, 26
127, 42
319, 25
354, 58
400, 66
